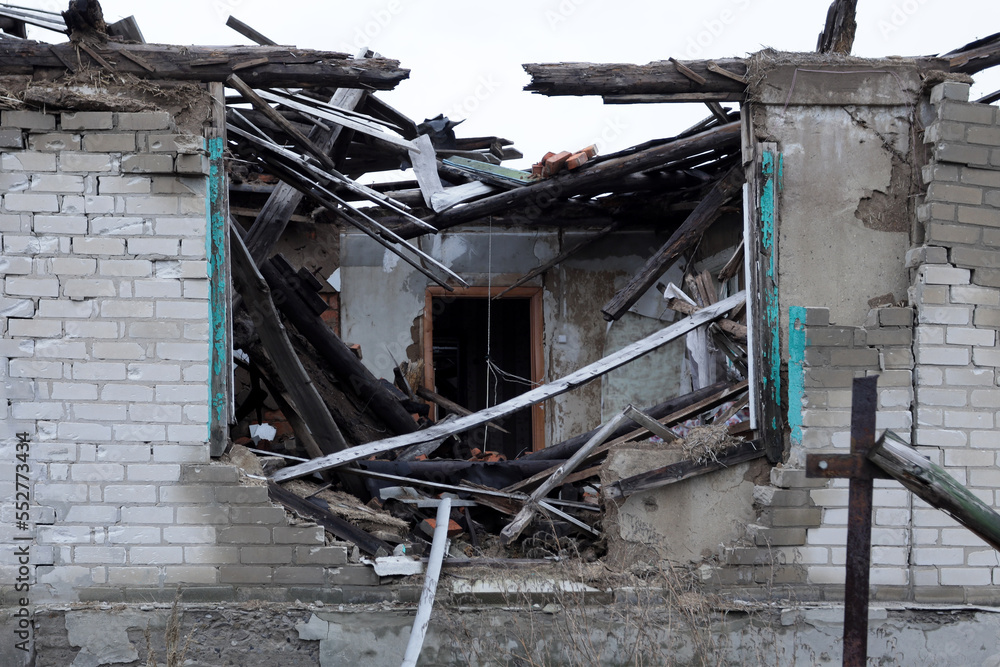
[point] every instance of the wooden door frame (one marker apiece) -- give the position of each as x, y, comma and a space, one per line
534, 294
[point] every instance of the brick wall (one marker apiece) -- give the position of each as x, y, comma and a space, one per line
937, 362
105, 322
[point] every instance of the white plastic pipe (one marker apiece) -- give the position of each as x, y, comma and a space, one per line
423, 618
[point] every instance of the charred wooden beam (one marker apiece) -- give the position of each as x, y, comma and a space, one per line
841, 25
976, 56
334, 524
679, 242
663, 77
266, 65
348, 368
543, 194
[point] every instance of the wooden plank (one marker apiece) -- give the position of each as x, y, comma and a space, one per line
592, 174
676, 417
976, 56
248, 32
935, 486
566, 448
259, 104
650, 424
661, 77
451, 406
346, 120
128, 29
281, 204
654, 479
424, 163
688, 234
345, 364
531, 397
308, 404
514, 529
688, 72
284, 67
715, 68
737, 330
334, 524
841, 25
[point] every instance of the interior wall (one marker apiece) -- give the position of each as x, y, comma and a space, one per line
383, 300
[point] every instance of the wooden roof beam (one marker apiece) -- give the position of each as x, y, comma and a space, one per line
260, 66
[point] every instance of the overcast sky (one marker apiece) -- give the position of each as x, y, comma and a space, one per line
465, 55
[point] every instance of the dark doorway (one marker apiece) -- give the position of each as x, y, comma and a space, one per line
461, 372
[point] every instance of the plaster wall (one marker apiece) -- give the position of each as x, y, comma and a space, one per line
382, 304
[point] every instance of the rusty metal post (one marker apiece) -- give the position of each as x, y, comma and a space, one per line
864, 404
856, 467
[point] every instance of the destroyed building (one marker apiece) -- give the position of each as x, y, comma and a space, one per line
621, 359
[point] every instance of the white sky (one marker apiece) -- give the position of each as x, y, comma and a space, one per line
465, 55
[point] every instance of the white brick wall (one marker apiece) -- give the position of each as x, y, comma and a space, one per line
104, 359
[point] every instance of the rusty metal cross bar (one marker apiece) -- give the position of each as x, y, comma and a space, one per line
860, 471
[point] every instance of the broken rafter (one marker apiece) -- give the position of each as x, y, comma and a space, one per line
278, 66
550, 190
665, 77
679, 242
248, 32
976, 56
531, 397
841, 25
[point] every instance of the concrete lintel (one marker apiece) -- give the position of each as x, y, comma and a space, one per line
835, 84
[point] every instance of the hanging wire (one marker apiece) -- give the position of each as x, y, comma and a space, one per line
490, 375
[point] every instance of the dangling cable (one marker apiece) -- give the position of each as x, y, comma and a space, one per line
489, 328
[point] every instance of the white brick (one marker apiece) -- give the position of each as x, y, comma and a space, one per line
180, 393
17, 348
142, 515
947, 397
52, 349
57, 183
942, 356
985, 296
77, 432
968, 419
24, 368
189, 310
124, 185
108, 412
30, 245
966, 576
122, 308
99, 555
133, 268
970, 376
180, 226
140, 432
190, 535
156, 555
129, 351
72, 266
944, 275
83, 245
967, 336
98, 371
80, 288
945, 315
65, 534
75, 329
16, 307
986, 357
154, 412
153, 246
31, 203
115, 226
182, 351
126, 392
196, 289
124, 453
19, 286
168, 289
164, 472
33, 411
196, 373
130, 493
16, 266
93, 204
153, 205
183, 433
93, 515
35, 328
825, 575
29, 161
155, 329
196, 413
88, 162
154, 372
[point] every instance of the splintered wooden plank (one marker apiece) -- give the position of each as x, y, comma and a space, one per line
656, 78
248, 32
284, 67
531, 397
689, 233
